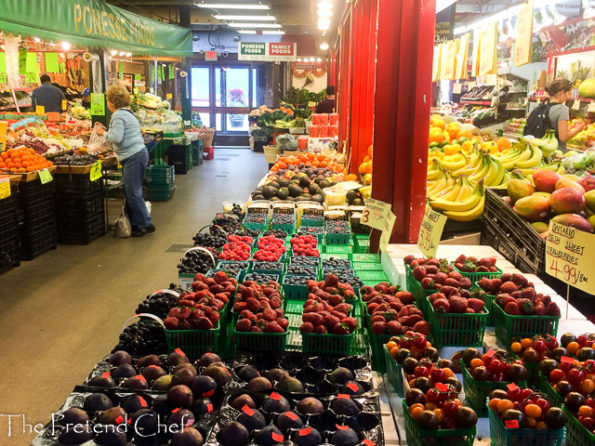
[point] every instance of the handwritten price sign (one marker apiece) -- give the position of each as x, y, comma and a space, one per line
387, 231
569, 258
430, 232
376, 213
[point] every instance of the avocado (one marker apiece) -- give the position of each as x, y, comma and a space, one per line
358, 202
257, 197
351, 195
274, 184
283, 193
324, 184
314, 189
318, 198
304, 181
269, 192
283, 182
295, 190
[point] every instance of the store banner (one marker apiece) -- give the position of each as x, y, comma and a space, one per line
476, 47
449, 60
267, 51
524, 41
94, 24
462, 56
436, 67
22, 61
488, 50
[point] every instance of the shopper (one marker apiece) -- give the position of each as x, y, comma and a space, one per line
328, 104
86, 101
125, 135
47, 95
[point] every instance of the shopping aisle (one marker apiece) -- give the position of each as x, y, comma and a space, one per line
60, 313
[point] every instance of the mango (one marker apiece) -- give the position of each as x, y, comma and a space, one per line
518, 189
588, 182
540, 226
590, 199
567, 200
567, 182
575, 221
533, 208
545, 180
591, 221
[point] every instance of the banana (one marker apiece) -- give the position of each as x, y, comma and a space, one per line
436, 186
450, 193
494, 173
527, 153
501, 172
457, 162
466, 189
533, 160
462, 205
468, 215
481, 173
504, 183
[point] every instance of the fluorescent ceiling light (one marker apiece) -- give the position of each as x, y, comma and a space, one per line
325, 4
232, 5
65, 46
254, 25
266, 18
324, 46
274, 32
324, 23
325, 13
247, 31
318, 60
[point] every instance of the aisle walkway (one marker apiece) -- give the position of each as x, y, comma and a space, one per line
60, 313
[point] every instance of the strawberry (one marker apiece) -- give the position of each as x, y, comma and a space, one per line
422, 327
351, 322
512, 308
321, 329
269, 315
171, 323
243, 325
273, 327
284, 323
552, 309
307, 327
394, 327
204, 323
476, 304
330, 321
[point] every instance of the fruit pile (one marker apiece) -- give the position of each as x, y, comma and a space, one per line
528, 303
305, 245
438, 274
525, 408
267, 267
337, 227
408, 349
298, 279
270, 249
197, 261
208, 240
158, 303
450, 300
538, 348
200, 310
565, 199
237, 248
254, 296
580, 346
296, 269
282, 219
143, 337
23, 160
228, 222
583, 408
474, 265
260, 219
232, 268
507, 283
335, 263
275, 233
495, 366
571, 376
248, 232
311, 230
261, 278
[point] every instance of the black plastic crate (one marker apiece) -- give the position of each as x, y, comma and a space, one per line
33, 192
510, 235
10, 252
69, 206
38, 241
79, 185
178, 157
8, 206
9, 226
82, 235
39, 213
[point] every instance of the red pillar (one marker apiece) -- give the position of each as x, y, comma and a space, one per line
402, 110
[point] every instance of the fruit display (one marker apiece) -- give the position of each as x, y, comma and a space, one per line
261, 278
526, 302
278, 233
451, 301
230, 223
515, 127
196, 260
587, 88
22, 160
215, 240
583, 140
159, 303
365, 170
253, 297
438, 277
270, 249
470, 264
305, 245
237, 248
574, 344
301, 270
232, 268
415, 346
143, 337
496, 366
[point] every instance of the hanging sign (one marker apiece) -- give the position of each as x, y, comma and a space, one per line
64, 104
4, 188
462, 55
39, 110
436, 63
95, 173
97, 104
430, 232
31, 78
448, 63
171, 72
476, 47
375, 213
488, 49
22, 61
121, 70
45, 176
51, 63
137, 77
31, 63
524, 27
576, 105
2, 62
387, 231
3, 130
267, 51
569, 256
211, 56
3, 78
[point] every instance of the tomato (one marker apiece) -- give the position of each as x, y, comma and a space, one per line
587, 386
493, 404
504, 405
556, 375
533, 411
586, 411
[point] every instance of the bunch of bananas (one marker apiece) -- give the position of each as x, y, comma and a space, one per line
459, 199
521, 156
548, 144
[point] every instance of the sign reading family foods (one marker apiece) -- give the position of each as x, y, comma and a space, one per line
267, 51
569, 256
430, 232
94, 23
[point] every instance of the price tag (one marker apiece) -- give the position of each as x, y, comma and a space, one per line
569, 258
141, 378
106, 374
352, 386
511, 424
305, 431
64, 104
247, 410
430, 232
4, 188
119, 420
169, 95
512, 386
276, 396
375, 213
277, 437
40, 110
291, 416
209, 393
576, 105
209, 407
457, 88
31, 78
135, 90
179, 351
567, 359
442, 387
343, 396
491, 352
95, 173
45, 176
387, 231
368, 442
341, 428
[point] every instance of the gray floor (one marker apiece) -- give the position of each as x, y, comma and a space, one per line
60, 313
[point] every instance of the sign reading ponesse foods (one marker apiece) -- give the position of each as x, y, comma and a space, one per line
267, 51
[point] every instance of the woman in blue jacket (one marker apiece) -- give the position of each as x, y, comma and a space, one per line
127, 140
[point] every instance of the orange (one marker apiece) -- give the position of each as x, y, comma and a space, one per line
4, 155
516, 347
393, 351
526, 343
465, 134
504, 405
573, 347
437, 135
370, 150
453, 129
413, 406
503, 143
351, 177
436, 121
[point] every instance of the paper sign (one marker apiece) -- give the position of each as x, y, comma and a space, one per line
64, 104
457, 88
512, 386
487, 50
567, 359
442, 387
352, 386
97, 104
31, 63
569, 258
2, 62
343, 396
387, 231
121, 70
4, 188
142, 402
475, 53
291, 416
45, 176
3, 78
209, 393
436, 69
137, 77
576, 105
31, 78
95, 173
169, 96
161, 73
461, 70
341, 428
368, 442
40, 110
430, 232
51, 63
524, 28
22, 61
305, 431
276, 396
375, 213
106, 374
210, 407
449, 60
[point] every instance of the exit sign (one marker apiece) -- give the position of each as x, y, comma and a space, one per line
211, 56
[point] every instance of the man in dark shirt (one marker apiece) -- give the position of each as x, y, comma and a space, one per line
327, 105
47, 95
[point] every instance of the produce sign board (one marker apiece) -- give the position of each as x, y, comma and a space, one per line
569, 258
430, 232
4, 188
376, 213
267, 51
387, 231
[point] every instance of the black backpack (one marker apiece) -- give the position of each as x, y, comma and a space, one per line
538, 121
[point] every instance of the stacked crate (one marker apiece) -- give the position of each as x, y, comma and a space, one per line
160, 182
38, 234
10, 244
80, 211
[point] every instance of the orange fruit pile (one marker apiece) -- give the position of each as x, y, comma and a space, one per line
309, 159
23, 160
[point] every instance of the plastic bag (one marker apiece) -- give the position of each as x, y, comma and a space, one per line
97, 143
123, 227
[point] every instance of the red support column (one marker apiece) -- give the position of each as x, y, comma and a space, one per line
402, 110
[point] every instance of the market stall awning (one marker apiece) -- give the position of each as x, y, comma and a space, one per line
93, 24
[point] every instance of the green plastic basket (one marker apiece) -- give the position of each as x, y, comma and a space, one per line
260, 342
255, 226
576, 433
339, 249
296, 292
477, 392
256, 267
293, 306
500, 435
195, 343
474, 277
393, 372
417, 436
509, 326
532, 371
371, 278
377, 345
368, 258
457, 329
550, 393
289, 228
327, 344
337, 239
362, 246
489, 304
305, 221
365, 266
335, 255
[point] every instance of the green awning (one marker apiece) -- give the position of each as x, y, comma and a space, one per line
94, 24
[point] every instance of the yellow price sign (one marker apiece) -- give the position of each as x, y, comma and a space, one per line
64, 104
375, 213
45, 176
387, 231
430, 232
169, 96
95, 173
569, 256
40, 110
4, 188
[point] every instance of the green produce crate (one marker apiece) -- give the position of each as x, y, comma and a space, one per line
365, 266
311, 222
256, 267
477, 392
255, 226
327, 344
195, 343
293, 306
260, 342
160, 191
371, 278
393, 372
338, 249
377, 343
435, 437
509, 326
501, 436
551, 394
368, 258
337, 239
335, 255
474, 277
359, 345
296, 292
362, 246
489, 304
289, 228
160, 174
456, 329
576, 433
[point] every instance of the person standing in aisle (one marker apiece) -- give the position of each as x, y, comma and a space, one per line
328, 104
560, 91
125, 135
47, 95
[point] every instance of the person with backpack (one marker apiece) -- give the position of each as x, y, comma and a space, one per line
553, 114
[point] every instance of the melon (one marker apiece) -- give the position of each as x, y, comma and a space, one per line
587, 89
